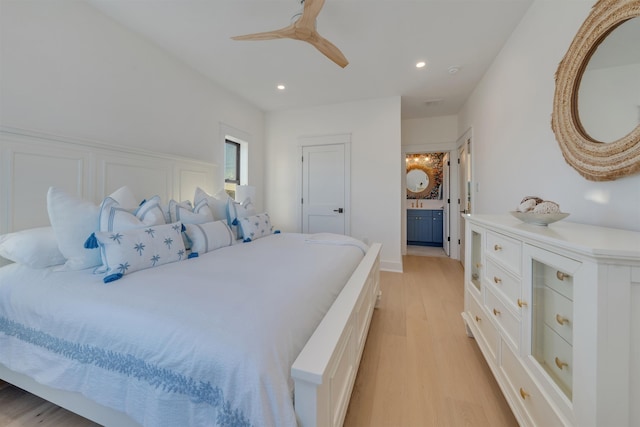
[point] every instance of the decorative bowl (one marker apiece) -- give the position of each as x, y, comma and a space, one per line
539, 219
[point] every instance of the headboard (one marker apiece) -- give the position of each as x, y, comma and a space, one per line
32, 162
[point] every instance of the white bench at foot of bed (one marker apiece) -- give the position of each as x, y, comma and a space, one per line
326, 369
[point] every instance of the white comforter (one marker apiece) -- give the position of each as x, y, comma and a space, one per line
205, 341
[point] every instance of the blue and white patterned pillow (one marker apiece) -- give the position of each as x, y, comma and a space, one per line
114, 217
187, 214
256, 226
236, 212
131, 250
209, 236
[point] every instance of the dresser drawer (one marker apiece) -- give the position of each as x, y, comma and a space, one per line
525, 392
558, 313
558, 359
509, 323
557, 280
506, 250
487, 329
504, 281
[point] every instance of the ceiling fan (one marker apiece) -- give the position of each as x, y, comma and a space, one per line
304, 28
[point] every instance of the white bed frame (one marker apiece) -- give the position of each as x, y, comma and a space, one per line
325, 371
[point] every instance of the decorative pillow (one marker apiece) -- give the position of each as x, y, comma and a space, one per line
209, 236
115, 217
256, 226
35, 247
217, 203
125, 198
73, 219
131, 250
184, 212
237, 211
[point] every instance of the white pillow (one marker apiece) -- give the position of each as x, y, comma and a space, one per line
35, 247
73, 219
217, 203
209, 236
125, 198
184, 212
136, 249
237, 211
115, 217
255, 227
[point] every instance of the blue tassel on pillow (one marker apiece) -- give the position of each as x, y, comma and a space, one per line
276, 232
183, 229
193, 255
112, 277
91, 242
235, 222
247, 240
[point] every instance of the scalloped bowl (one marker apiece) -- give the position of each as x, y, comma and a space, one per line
539, 219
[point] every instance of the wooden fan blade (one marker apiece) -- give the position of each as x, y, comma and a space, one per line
283, 33
328, 49
310, 12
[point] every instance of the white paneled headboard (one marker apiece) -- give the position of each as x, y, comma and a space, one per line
31, 162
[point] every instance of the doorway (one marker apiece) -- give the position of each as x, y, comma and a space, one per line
325, 186
465, 191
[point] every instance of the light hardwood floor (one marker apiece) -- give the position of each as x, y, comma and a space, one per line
419, 368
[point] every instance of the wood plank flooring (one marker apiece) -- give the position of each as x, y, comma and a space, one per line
419, 368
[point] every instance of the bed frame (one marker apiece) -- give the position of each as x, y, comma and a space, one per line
325, 371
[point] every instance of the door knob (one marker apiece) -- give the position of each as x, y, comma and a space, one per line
339, 210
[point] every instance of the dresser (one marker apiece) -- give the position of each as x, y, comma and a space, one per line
555, 312
424, 227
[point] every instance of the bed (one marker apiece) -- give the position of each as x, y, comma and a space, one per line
171, 345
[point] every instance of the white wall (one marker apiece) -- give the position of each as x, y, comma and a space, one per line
68, 70
376, 198
515, 151
430, 130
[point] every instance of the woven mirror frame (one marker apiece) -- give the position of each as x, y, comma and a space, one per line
594, 160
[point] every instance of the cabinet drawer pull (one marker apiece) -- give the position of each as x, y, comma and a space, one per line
497, 247
561, 320
478, 265
496, 312
522, 303
478, 319
560, 364
560, 275
523, 393
497, 280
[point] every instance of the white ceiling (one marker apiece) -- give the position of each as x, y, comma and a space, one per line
382, 40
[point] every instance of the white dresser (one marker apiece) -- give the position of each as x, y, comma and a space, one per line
556, 313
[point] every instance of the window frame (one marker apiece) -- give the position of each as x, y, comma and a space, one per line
237, 166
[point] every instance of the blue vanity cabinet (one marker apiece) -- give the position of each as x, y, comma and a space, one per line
424, 227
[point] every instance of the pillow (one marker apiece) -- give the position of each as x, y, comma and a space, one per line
73, 219
115, 217
217, 203
125, 197
35, 247
136, 249
237, 211
256, 226
184, 213
209, 236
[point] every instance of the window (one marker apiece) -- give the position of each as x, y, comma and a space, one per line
232, 162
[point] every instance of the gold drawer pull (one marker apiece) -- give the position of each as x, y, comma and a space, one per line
496, 312
497, 280
478, 265
561, 320
478, 319
560, 275
523, 393
560, 364
497, 247
522, 303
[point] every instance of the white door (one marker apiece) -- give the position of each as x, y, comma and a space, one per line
464, 178
447, 206
325, 181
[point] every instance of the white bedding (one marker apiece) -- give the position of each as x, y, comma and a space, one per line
205, 341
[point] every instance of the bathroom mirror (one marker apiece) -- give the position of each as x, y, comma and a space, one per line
420, 181
599, 145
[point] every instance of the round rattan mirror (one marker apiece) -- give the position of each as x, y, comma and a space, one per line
593, 159
420, 181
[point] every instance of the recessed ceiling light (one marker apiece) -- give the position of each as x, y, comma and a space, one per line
421, 64
453, 69
280, 87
